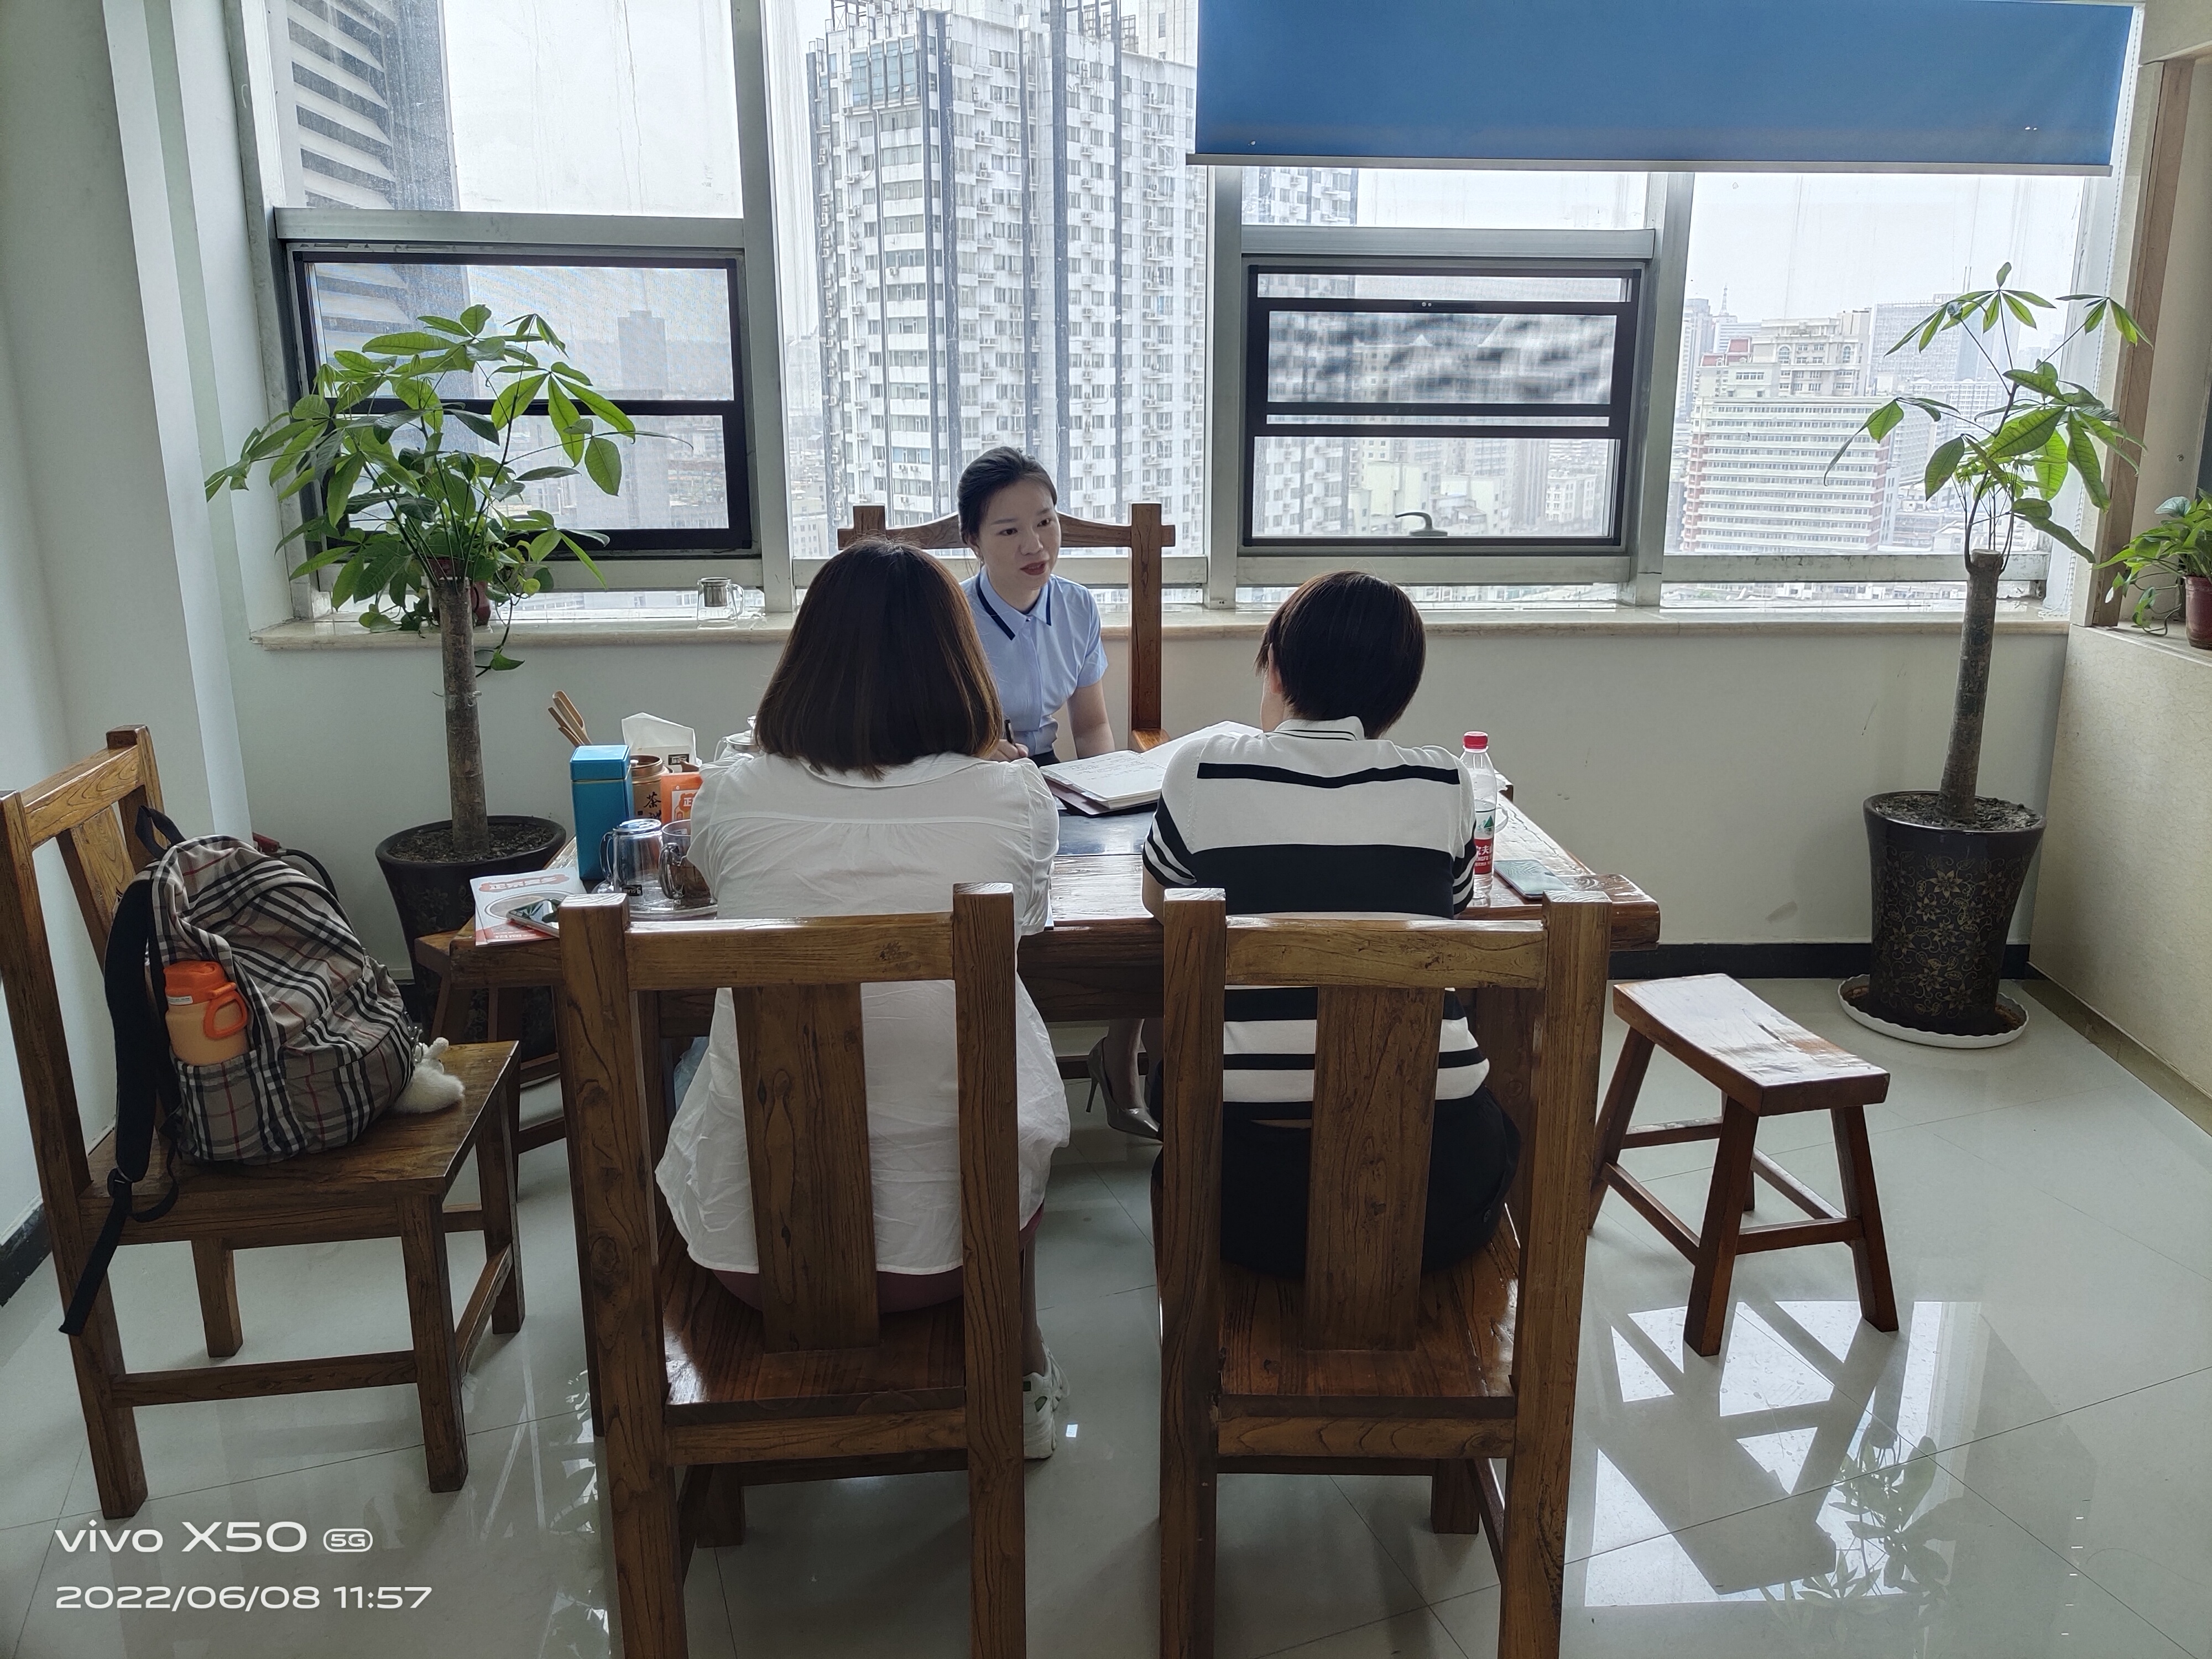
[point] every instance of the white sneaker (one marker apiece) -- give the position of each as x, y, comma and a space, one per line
1043, 1394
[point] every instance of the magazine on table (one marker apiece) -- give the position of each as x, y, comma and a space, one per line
536, 892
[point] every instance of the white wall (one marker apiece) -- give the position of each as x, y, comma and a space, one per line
1721, 766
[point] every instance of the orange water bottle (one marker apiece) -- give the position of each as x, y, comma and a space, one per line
207, 1015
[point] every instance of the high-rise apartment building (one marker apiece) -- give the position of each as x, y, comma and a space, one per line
360, 102
1767, 415
1010, 249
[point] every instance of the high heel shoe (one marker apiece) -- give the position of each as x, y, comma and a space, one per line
1129, 1120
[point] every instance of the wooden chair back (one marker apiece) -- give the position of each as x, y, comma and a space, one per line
796, 986
89, 809
1381, 987
1367, 1366
1144, 536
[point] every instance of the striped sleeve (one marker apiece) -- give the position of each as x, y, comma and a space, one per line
1166, 858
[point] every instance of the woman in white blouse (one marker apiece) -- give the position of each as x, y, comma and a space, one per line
869, 793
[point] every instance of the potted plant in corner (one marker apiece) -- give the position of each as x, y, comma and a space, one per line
1948, 864
418, 499
2178, 546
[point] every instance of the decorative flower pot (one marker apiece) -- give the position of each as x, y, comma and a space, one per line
2196, 611
1943, 901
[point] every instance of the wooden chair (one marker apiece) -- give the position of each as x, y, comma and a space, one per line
390, 1183
1764, 1065
816, 1386
1367, 1365
1145, 536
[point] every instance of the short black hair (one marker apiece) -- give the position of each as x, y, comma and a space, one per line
883, 667
1347, 643
989, 473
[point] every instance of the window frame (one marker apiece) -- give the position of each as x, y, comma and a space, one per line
1239, 250
675, 558
1619, 410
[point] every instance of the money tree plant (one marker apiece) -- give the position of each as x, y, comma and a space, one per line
2004, 467
404, 456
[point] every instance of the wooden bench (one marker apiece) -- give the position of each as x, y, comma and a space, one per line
1764, 1065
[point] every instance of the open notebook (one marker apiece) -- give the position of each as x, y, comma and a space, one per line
1116, 782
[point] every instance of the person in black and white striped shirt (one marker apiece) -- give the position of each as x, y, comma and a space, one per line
1318, 812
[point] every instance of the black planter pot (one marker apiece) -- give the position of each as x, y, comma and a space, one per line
432, 897
1943, 902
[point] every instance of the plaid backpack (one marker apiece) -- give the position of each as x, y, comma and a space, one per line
329, 1048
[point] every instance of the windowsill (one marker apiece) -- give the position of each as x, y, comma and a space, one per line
1190, 622
2174, 643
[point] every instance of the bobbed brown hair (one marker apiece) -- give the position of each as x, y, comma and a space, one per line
989, 473
883, 667
1347, 643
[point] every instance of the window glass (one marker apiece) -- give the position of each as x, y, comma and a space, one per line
656, 337
1438, 403
624, 106
997, 243
1454, 199
1799, 288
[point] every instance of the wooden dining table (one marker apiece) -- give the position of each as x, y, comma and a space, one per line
1100, 959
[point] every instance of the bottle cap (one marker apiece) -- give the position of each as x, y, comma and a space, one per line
1475, 740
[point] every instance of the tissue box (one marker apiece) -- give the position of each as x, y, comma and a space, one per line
598, 790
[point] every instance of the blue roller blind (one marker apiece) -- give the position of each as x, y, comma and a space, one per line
1966, 85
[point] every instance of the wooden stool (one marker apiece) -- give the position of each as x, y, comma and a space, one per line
1764, 1065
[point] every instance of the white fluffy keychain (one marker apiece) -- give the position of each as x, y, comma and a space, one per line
433, 1088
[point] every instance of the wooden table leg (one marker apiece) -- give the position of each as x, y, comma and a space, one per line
437, 1354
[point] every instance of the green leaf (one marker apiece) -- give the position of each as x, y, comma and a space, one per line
1883, 420
2003, 271
500, 659
475, 424
2025, 434
444, 324
474, 317
2013, 304
514, 399
613, 417
2130, 331
2082, 452
566, 421
1942, 465
537, 472
603, 462
404, 345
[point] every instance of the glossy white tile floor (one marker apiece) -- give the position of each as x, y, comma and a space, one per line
2024, 1470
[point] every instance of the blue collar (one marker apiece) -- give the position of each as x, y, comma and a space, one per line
983, 587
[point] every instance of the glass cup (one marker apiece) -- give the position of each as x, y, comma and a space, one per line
718, 602
681, 884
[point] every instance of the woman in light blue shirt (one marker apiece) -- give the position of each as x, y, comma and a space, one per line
1040, 631
1041, 636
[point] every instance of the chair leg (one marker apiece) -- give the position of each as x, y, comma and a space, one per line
216, 1267
1453, 1506
1870, 1250
1532, 1567
1620, 1106
1717, 1239
712, 1506
496, 1183
110, 1429
437, 1355
1187, 1547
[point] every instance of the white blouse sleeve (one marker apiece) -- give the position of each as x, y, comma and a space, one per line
1033, 894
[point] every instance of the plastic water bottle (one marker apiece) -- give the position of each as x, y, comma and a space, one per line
1475, 760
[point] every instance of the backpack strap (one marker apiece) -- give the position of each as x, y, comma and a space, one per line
156, 830
145, 1083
